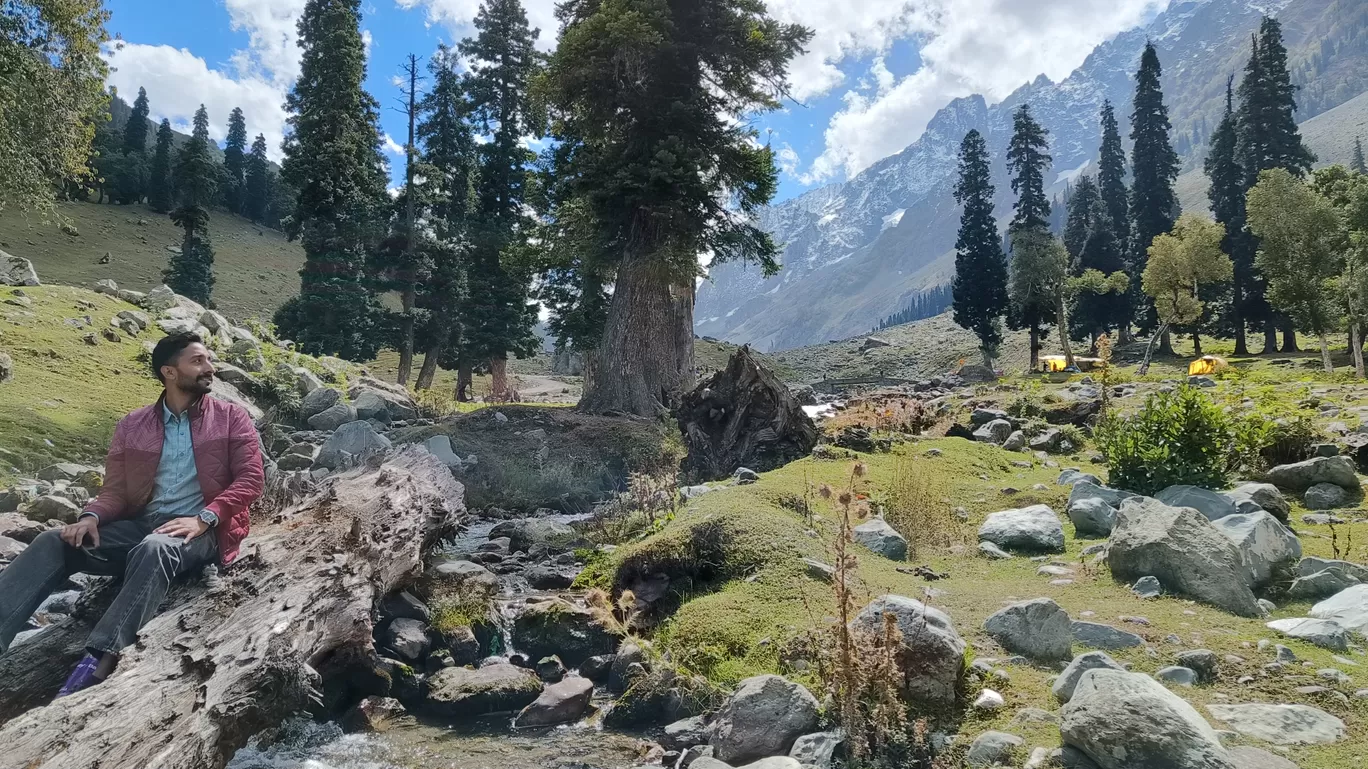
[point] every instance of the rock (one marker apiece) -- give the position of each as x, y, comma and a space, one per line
686, 733
995, 432
872, 342
333, 417
1246, 757
1269, 550
1321, 578
298, 460
1201, 661
1348, 607
559, 703
1300, 476
17, 271
440, 446
354, 440
1066, 682
19, 528
1071, 475
819, 571
466, 576
745, 475
931, 653
1034, 529
372, 714
404, 605
1325, 633
1183, 550
1048, 440
1281, 724
1177, 674
62, 471
881, 538
993, 552
10, 548
1126, 720
1101, 636
369, 405
159, 299
318, 401
1147, 587
817, 750
1325, 496
629, 654
992, 749
550, 669
1209, 503
1091, 516
407, 638
1086, 489
306, 381
463, 692
561, 628
1015, 442
597, 667
982, 416
1037, 629
53, 508
1265, 495
763, 717
551, 577
988, 701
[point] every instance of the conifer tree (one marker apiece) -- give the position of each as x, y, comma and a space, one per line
1081, 222
664, 171
1028, 160
1226, 192
1357, 164
135, 130
160, 187
504, 60
1096, 256
191, 272
333, 161
1154, 167
1111, 174
257, 183
235, 162
980, 283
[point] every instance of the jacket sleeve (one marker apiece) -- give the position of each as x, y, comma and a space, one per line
248, 476
111, 504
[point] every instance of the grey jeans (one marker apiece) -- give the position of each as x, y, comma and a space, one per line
148, 562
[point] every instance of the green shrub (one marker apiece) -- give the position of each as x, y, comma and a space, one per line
1178, 437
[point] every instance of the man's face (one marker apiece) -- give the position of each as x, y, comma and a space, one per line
192, 371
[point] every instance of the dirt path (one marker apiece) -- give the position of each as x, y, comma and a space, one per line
541, 389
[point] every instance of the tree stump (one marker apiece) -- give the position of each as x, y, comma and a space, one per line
235, 654
742, 416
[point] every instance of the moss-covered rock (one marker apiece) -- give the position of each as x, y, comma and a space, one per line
558, 627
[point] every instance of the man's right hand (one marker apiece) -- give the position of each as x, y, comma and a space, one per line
75, 534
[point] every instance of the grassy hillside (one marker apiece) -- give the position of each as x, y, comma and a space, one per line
256, 268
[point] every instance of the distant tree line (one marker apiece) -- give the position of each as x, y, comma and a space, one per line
926, 304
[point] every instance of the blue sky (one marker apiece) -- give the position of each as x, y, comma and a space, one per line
875, 73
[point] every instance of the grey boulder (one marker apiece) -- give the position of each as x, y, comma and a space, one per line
1087, 489
1066, 682
1324, 633
319, 401
1092, 517
463, 692
1100, 636
992, 749
995, 432
1209, 503
1034, 529
1071, 475
931, 652
1322, 577
354, 440
1348, 607
1183, 550
1268, 548
1037, 629
1281, 724
1325, 496
818, 749
763, 717
407, 638
559, 703
1263, 495
333, 416
1300, 476
17, 271
881, 538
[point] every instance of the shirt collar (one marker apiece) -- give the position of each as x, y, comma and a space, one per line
167, 416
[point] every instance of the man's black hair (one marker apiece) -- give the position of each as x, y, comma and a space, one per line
169, 348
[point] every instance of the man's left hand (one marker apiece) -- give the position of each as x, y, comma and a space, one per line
187, 526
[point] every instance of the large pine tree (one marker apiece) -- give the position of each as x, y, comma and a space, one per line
1226, 192
1082, 206
235, 162
503, 61
1358, 163
980, 284
160, 186
1154, 168
257, 183
135, 130
191, 272
646, 94
1028, 160
333, 160
1111, 174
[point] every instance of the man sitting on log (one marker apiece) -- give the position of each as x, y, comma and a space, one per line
180, 476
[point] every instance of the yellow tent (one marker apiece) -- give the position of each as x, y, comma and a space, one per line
1207, 364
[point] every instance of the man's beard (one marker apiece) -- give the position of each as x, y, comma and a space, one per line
200, 386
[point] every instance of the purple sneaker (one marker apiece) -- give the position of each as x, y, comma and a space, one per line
83, 677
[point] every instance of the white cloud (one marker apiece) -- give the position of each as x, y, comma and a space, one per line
393, 147
457, 15
967, 46
787, 159
367, 39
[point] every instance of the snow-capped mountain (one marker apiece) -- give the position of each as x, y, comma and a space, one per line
857, 251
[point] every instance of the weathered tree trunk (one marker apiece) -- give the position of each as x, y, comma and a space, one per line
987, 356
641, 366
1270, 346
1325, 353
429, 370
465, 378
498, 380
1035, 348
406, 336
1289, 338
1356, 349
1062, 323
410, 278
1237, 299
1196, 343
238, 654
1149, 349
1165, 342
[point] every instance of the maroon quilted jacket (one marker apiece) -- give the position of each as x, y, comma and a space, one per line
227, 461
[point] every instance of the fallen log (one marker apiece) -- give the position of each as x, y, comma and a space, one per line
238, 653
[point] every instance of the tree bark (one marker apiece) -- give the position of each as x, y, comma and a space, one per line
1149, 349
1270, 346
498, 380
410, 278
1062, 318
238, 653
1356, 349
642, 358
465, 377
429, 370
1289, 338
1165, 342
1237, 299
406, 336
1035, 348
1196, 343
1325, 353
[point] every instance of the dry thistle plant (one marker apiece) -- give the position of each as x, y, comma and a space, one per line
616, 619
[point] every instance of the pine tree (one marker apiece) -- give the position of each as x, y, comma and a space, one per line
257, 183
980, 283
1357, 163
1093, 246
663, 169
1154, 166
333, 161
235, 162
135, 130
1028, 160
191, 272
1111, 174
1226, 192
504, 60
1080, 224
160, 189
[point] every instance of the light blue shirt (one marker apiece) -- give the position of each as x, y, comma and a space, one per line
176, 492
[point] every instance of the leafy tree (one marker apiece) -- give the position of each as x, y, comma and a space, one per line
51, 96
1111, 174
1299, 234
1179, 264
980, 283
1357, 164
235, 162
504, 61
1347, 192
333, 160
1155, 167
257, 182
644, 94
1028, 160
1226, 191
191, 272
1097, 263
160, 193
1039, 281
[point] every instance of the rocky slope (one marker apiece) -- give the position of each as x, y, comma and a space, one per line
857, 251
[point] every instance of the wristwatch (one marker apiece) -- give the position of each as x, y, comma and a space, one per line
209, 518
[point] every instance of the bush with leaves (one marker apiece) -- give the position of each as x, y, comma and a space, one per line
1178, 437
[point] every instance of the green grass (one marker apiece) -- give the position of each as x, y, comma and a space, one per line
65, 396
